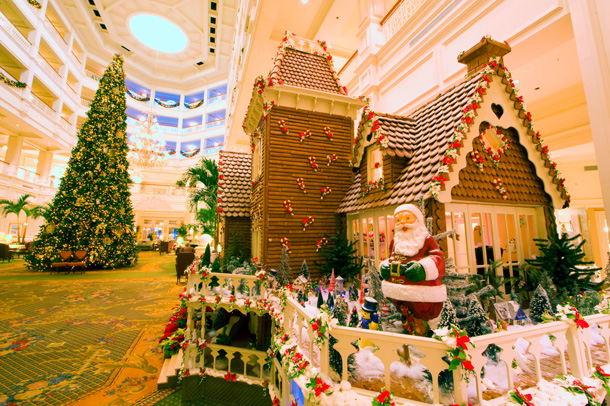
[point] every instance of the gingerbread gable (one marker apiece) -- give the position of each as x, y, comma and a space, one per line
439, 139
234, 172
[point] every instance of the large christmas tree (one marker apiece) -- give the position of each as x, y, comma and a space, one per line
92, 209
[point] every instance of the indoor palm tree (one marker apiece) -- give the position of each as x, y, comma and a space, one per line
15, 207
33, 212
204, 199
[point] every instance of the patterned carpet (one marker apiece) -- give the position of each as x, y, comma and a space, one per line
86, 339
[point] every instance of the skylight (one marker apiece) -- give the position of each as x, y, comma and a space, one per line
157, 33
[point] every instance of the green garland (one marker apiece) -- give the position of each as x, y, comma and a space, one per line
137, 97
166, 105
194, 105
35, 4
11, 82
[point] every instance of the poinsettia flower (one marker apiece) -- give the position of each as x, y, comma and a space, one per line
468, 365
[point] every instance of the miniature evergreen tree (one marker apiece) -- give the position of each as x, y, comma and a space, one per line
354, 319
301, 297
340, 254
334, 357
540, 304
476, 322
330, 302
283, 273
304, 269
564, 262
448, 316
207, 256
340, 312
373, 281
92, 209
320, 299
216, 265
221, 319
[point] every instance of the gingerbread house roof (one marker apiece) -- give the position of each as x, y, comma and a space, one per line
234, 172
428, 136
303, 69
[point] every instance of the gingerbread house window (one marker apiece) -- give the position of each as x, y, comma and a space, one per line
374, 164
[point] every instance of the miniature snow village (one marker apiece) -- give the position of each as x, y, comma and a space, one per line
411, 323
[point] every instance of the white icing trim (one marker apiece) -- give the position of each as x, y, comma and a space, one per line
414, 293
430, 267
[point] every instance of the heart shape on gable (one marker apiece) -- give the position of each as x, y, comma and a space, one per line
497, 110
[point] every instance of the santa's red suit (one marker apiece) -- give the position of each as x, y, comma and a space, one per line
424, 298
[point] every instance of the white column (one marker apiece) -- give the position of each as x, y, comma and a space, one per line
13, 154
370, 34
592, 34
44, 166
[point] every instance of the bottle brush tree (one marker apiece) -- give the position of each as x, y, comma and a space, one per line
207, 256
353, 318
448, 317
540, 304
304, 269
340, 254
92, 209
283, 273
476, 322
562, 258
320, 300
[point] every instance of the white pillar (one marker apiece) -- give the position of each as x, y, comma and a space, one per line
592, 34
44, 166
13, 154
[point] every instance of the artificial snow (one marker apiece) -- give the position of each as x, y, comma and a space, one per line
368, 365
402, 370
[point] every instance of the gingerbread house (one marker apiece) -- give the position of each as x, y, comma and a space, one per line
301, 125
233, 217
475, 158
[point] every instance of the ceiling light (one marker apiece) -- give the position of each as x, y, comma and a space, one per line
158, 33
304, 1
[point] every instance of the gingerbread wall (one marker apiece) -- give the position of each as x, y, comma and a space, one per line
517, 173
286, 159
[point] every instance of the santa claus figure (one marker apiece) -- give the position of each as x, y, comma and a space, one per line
413, 275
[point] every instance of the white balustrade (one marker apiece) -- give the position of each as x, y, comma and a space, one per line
42, 106
85, 103
92, 75
8, 26
17, 90
61, 43
566, 339
65, 124
400, 16
48, 68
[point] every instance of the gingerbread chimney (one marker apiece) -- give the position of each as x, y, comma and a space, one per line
480, 54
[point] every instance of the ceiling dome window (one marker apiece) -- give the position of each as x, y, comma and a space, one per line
158, 33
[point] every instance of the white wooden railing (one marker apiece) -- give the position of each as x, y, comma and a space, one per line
398, 16
14, 32
85, 103
48, 68
17, 90
61, 43
42, 106
559, 344
92, 75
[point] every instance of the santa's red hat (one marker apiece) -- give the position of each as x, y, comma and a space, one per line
411, 208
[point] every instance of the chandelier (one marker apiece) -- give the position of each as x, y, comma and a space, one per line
146, 145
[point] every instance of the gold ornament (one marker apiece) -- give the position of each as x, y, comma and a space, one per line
50, 228
107, 240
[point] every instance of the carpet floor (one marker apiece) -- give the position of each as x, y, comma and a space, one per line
84, 339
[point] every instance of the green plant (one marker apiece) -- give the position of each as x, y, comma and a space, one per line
540, 305
340, 254
283, 272
92, 208
204, 199
564, 262
207, 256
16, 207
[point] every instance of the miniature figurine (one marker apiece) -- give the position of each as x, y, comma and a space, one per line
370, 319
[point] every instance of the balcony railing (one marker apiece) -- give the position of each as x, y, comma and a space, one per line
55, 34
8, 26
192, 129
17, 90
48, 68
92, 76
85, 103
398, 16
65, 124
42, 105
216, 99
215, 123
164, 190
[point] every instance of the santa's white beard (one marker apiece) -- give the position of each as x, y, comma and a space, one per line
410, 242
